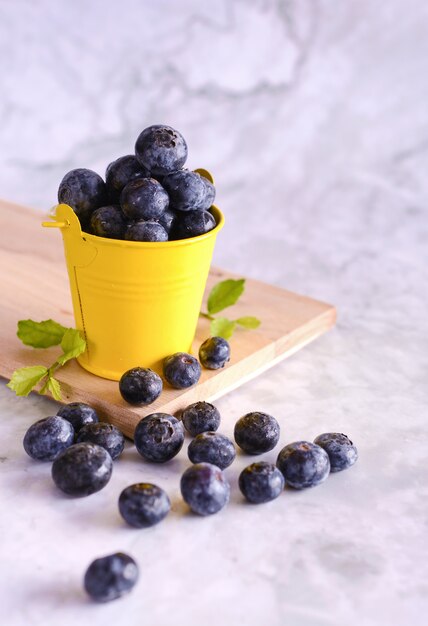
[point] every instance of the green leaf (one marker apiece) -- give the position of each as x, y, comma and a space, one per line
224, 294
40, 334
248, 321
222, 327
25, 379
54, 387
72, 345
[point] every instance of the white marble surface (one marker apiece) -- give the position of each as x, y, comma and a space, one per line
312, 116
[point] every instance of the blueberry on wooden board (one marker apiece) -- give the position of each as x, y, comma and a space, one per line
181, 370
214, 353
140, 386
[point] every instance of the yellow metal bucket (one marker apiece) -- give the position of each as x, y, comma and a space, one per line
135, 302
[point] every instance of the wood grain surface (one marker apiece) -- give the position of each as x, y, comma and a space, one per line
34, 284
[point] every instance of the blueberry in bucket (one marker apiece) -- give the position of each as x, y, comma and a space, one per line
187, 190
120, 172
181, 370
83, 190
193, 224
146, 231
144, 199
108, 221
161, 149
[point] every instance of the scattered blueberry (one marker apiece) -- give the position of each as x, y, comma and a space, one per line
181, 370
82, 469
140, 386
214, 353
204, 488
303, 464
193, 224
108, 221
144, 199
48, 437
78, 414
340, 449
261, 482
161, 149
105, 435
83, 190
211, 447
200, 417
110, 577
146, 231
159, 437
187, 190
256, 432
143, 505
120, 172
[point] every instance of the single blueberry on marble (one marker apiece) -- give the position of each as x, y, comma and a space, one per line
158, 437
105, 435
193, 224
144, 199
78, 414
257, 432
161, 149
82, 469
303, 464
143, 505
140, 386
108, 221
187, 190
261, 482
146, 231
48, 437
181, 370
120, 172
110, 577
214, 353
200, 417
83, 190
340, 449
205, 488
212, 447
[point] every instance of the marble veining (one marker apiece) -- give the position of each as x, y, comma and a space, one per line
312, 116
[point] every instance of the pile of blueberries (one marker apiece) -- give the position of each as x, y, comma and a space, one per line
83, 448
145, 197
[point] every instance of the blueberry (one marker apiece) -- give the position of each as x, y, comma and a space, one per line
144, 199
209, 194
161, 149
159, 437
108, 221
82, 469
214, 353
83, 190
211, 447
167, 220
303, 464
110, 577
140, 386
256, 432
120, 172
48, 437
193, 224
261, 482
105, 435
78, 414
200, 417
187, 190
146, 231
340, 449
204, 488
143, 505
181, 370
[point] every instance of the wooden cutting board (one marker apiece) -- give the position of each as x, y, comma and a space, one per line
34, 284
